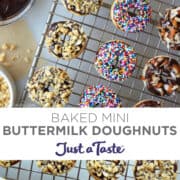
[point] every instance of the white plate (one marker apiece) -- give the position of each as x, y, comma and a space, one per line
12, 88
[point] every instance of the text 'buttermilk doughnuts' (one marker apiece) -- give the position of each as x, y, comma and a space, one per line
66, 40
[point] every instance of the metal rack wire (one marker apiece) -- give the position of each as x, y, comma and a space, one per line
27, 170
100, 29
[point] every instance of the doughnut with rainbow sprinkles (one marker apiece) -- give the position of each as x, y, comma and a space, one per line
115, 60
127, 21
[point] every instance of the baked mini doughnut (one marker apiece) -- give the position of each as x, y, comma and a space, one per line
161, 75
106, 170
148, 103
66, 40
169, 28
128, 22
50, 87
9, 163
56, 167
84, 7
99, 96
115, 60
160, 170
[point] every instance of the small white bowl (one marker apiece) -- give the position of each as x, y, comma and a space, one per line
12, 88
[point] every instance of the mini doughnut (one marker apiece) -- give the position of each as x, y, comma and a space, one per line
99, 96
161, 75
66, 39
115, 60
9, 163
152, 170
169, 28
84, 7
56, 167
148, 103
50, 87
126, 22
106, 170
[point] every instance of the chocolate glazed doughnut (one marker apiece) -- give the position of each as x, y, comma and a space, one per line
169, 28
9, 8
161, 75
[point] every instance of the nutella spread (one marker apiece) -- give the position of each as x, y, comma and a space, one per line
10, 8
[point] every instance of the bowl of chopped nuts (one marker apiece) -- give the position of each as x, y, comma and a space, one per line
12, 10
7, 89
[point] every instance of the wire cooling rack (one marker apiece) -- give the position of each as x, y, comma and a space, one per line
100, 29
27, 170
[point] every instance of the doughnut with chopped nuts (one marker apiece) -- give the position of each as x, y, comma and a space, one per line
155, 170
84, 7
9, 163
148, 103
56, 167
106, 170
161, 75
66, 40
50, 87
169, 28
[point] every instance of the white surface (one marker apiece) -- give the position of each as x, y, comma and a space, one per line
36, 18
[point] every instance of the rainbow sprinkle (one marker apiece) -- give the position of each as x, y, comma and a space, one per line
128, 23
99, 96
115, 60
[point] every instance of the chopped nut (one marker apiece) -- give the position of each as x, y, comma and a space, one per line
5, 47
14, 58
2, 57
12, 47
7, 64
28, 51
26, 59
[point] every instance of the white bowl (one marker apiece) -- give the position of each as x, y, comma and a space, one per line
17, 16
12, 88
